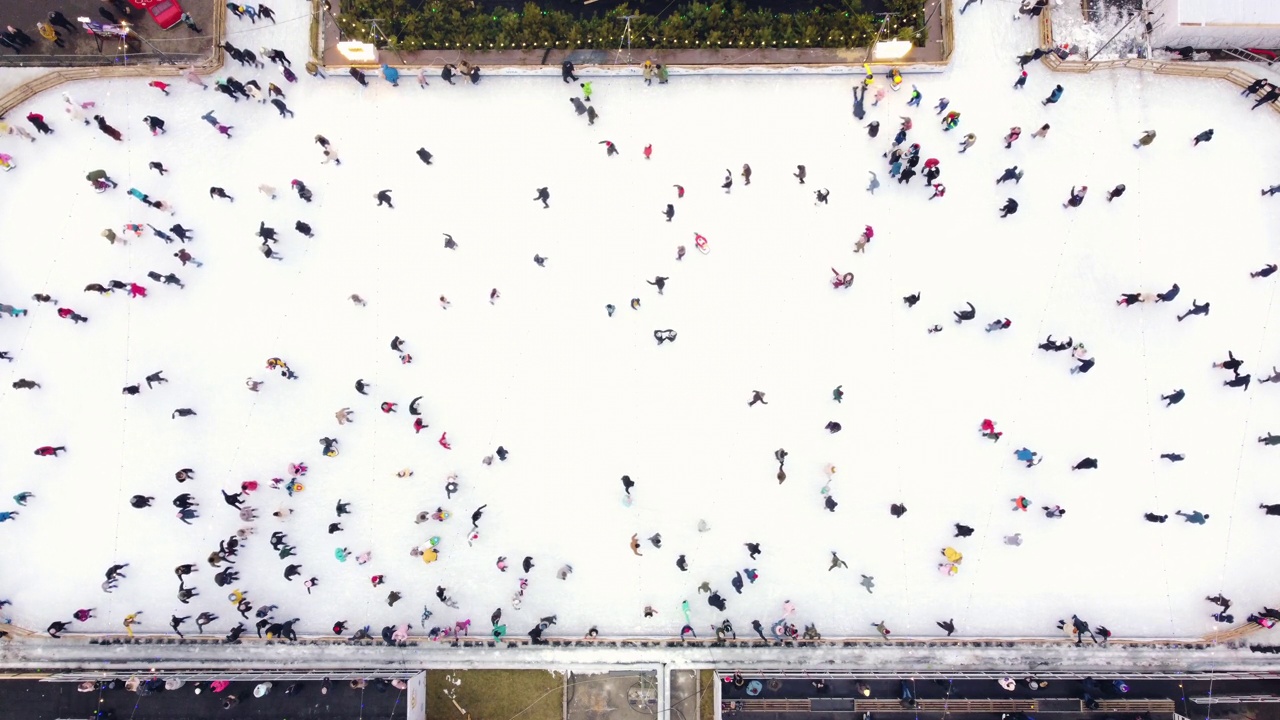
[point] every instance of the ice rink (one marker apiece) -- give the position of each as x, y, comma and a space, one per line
580, 398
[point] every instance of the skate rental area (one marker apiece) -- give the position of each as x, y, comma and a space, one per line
710, 361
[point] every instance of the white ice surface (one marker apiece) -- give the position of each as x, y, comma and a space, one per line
580, 398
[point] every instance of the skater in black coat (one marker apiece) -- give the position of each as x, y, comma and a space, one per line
1196, 309
1077, 196
1115, 192
1169, 294
265, 232
1154, 518
1232, 363
424, 156
359, 76
1174, 397
384, 197
1271, 509
1050, 346
303, 228
962, 315
281, 107
1010, 207
1205, 136
1086, 464
1271, 95
1264, 272
1241, 381
873, 128
1013, 174
1086, 364
963, 530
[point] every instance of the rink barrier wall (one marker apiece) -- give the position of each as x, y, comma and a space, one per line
50, 80
1232, 637
1237, 77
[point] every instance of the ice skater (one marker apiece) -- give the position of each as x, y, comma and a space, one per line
1196, 309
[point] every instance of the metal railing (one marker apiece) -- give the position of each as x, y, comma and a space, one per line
52, 79
1236, 77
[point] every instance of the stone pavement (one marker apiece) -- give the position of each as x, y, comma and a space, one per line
623, 695
33, 700
684, 695
178, 43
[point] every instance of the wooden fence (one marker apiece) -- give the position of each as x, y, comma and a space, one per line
1239, 78
54, 78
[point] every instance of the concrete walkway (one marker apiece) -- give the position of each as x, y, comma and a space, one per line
178, 43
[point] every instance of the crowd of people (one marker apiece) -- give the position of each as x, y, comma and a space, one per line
902, 155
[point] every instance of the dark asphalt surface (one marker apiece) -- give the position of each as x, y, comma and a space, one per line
1179, 692
82, 49
30, 700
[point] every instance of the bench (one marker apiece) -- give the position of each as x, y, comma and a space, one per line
1133, 706
775, 705
948, 706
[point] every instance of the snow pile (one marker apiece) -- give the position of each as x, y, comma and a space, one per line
1089, 39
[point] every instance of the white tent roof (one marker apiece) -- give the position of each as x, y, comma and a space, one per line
1229, 12
1217, 23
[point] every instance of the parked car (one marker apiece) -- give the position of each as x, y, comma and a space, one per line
166, 13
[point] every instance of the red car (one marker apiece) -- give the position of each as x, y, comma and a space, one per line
166, 13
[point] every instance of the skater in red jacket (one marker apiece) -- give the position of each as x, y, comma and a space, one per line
48, 450
136, 290
74, 316
444, 442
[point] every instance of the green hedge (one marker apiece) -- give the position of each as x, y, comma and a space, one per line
450, 24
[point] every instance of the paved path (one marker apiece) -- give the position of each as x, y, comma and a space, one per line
1180, 692
31, 700
179, 42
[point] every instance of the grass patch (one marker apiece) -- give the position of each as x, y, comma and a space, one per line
706, 695
496, 695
